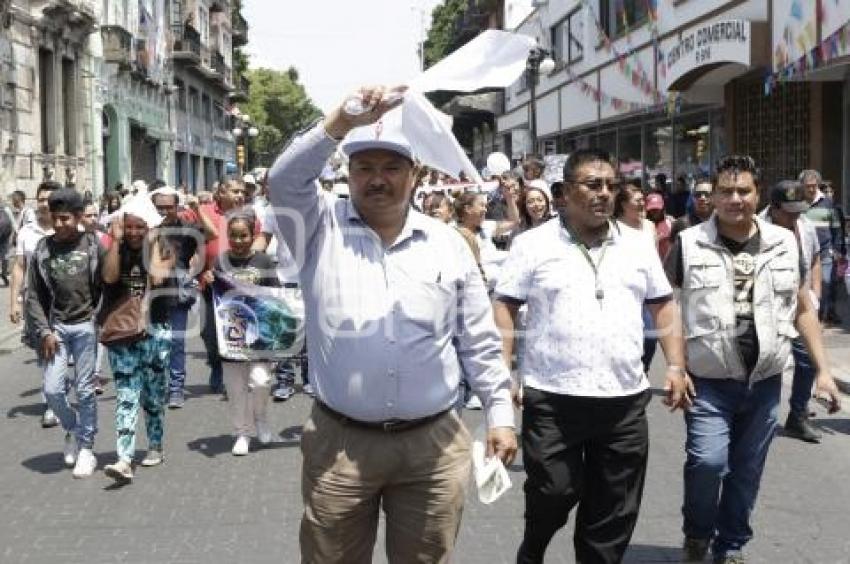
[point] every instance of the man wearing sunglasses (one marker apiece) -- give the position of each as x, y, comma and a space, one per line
584, 391
699, 208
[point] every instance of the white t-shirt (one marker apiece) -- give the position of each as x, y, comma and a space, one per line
576, 343
28, 237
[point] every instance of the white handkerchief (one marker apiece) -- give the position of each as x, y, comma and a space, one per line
491, 477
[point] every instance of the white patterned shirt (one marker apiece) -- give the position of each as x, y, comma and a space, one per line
577, 343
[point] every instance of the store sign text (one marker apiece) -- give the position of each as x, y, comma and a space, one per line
718, 42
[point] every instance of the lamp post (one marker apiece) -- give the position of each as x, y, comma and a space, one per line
243, 131
538, 62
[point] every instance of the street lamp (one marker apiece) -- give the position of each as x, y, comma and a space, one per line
538, 62
242, 131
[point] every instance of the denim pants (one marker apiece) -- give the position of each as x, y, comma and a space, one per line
827, 290
76, 341
140, 372
804, 379
730, 428
179, 317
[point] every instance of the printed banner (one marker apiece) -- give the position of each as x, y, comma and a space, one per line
257, 323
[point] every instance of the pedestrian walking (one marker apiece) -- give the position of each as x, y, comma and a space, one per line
787, 204
26, 240
248, 382
182, 235
699, 208
384, 284
584, 392
742, 304
135, 270
63, 293
829, 223
90, 225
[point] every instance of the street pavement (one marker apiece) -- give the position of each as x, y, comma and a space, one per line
206, 506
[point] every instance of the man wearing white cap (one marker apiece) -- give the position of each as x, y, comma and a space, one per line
396, 311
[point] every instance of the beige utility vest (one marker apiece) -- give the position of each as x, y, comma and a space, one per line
707, 297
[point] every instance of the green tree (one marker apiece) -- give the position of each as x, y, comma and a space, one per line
441, 35
279, 107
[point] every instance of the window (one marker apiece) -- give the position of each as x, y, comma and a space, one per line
205, 107
617, 15
568, 38
204, 25
47, 105
69, 116
194, 101
181, 94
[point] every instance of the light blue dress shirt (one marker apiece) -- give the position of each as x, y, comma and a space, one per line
390, 329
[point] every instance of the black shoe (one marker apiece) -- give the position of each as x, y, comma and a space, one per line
694, 550
801, 428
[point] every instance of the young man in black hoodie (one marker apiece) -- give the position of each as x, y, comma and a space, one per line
62, 296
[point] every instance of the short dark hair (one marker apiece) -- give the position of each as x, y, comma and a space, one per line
623, 196
19, 195
557, 190
66, 200
736, 164
465, 199
581, 157
245, 214
47, 186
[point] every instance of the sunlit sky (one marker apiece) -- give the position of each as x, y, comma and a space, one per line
338, 45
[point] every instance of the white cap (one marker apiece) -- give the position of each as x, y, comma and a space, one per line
384, 134
541, 185
498, 164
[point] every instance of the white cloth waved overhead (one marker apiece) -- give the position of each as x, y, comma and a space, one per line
494, 59
139, 206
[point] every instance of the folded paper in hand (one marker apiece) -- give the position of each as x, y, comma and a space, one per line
491, 477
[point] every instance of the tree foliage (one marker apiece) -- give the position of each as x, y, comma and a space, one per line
279, 107
441, 35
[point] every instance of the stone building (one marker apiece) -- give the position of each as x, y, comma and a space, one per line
47, 129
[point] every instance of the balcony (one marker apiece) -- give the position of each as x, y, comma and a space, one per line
221, 70
117, 45
240, 92
187, 45
77, 16
240, 29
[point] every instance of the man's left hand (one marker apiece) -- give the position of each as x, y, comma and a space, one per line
501, 442
827, 392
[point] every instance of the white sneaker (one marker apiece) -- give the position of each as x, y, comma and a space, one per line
69, 451
240, 447
154, 457
86, 463
264, 434
473, 402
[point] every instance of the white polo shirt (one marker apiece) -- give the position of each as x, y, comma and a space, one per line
577, 343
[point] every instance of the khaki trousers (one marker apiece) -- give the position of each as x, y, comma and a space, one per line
419, 476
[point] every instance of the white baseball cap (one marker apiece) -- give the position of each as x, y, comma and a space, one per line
384, 134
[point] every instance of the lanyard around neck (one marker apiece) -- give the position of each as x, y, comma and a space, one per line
594, 265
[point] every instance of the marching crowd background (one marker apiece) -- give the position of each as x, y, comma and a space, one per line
73, 260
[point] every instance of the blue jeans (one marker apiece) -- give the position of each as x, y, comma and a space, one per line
730, 428
826, 296
78, 341
804, 379
177, 379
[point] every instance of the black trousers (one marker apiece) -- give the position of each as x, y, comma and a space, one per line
586, 451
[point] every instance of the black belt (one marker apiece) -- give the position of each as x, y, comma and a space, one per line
389, 426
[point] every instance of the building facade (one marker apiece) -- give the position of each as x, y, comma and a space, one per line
670, 85
46, 122
102, 92
205, 33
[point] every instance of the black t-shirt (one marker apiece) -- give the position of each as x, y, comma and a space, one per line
68, 269
182, 239
257, 269
744, 263
134, 279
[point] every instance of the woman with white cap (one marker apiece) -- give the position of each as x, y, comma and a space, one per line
136, 267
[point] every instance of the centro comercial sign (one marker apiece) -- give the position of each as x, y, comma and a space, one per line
709, 44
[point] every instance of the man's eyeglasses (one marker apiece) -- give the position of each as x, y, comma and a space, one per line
596, 184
